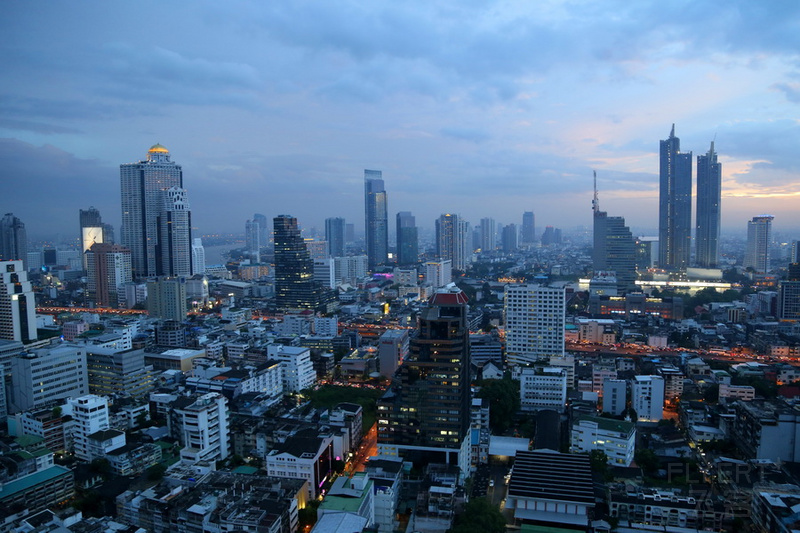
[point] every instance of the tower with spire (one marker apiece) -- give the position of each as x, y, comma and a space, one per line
709, 203
674, 205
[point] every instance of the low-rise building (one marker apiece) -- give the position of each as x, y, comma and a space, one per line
616, 438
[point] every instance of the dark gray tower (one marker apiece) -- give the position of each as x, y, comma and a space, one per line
614, 247
407, 239
13, 240
709, 200
334, 234
674, 205
376, 218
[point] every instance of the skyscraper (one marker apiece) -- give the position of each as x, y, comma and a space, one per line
252, 238
108, 269
334, 234
17, 304
759, 238
174, 225
528, 228
142, 184
166, 298
198, 256
427, 407
535, 316
407, 239
91, 230
263, 233
452, 240
13, 240
509, 240
614, 247
709, 200
674, 205
376, 222
295, 287
488, 235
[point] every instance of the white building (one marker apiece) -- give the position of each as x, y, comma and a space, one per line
616, 438
303, 457
596, 330
297, 368
406, 276
745, 393
600, 374
198, 257
535, 318
90, 415
48, 376
542, 388
175, 234
17, 305
392, 350
439, 273
326, 326
647, 398
204, 428
349, 269
615, 392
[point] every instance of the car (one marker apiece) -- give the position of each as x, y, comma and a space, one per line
491, 483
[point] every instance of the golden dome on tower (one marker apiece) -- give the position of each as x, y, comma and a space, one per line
157, 149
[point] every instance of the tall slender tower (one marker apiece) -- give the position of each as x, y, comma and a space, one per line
614, 246
91, 230
174, 223
17, 304
488, 235
528, 228
13, 240
407, 239
675, 204
759, 238
295, 287
709, 201
452, 240
142, 184
376, 220
252, 238
108, 269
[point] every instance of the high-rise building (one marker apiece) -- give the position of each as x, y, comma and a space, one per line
252, 238
674, 204
759, 238
535, 316
709, 201
334, 234
295, 287
509, 238
528, 228
647, 398
439, 273
142, 184
551, 236
488, 235
377, 222
17, 304
427, 406
407, 239
198, 256
91, 230
263, 233
614, 247
166, 298
202, 428
90, 415
452, 240
789, 295
13, 240
48, 376
174, 224
108, 269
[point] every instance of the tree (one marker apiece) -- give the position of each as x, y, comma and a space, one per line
503, 397
479, 516
647, 460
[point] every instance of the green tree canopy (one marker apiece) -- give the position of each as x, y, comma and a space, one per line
503, 397
479, 516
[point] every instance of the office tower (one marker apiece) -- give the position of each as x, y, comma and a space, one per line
142, 184
674, 204
509, 240
535, 316
325, 272
13, 240
427, 406
439, 273
198, 256
488, 235
709, 201
17, 304
647, 398
614, 247
349, 232
377, 222
174, 229
759, 238
334, 234
90, 415
789, 295
551, 236
48, 376
263, 230
528, 228
252, 239
317, 250
91, 230
350, 269
794, 256
166, 298
108, 234
452, 234
108, 269
295, 287
407, 239
392, 350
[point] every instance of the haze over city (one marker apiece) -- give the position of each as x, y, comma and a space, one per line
485, 109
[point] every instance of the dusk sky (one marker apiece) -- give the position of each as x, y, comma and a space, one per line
486, 109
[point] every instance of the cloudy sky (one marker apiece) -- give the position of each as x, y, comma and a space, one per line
480, 108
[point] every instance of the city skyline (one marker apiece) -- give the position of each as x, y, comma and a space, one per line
461, 113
